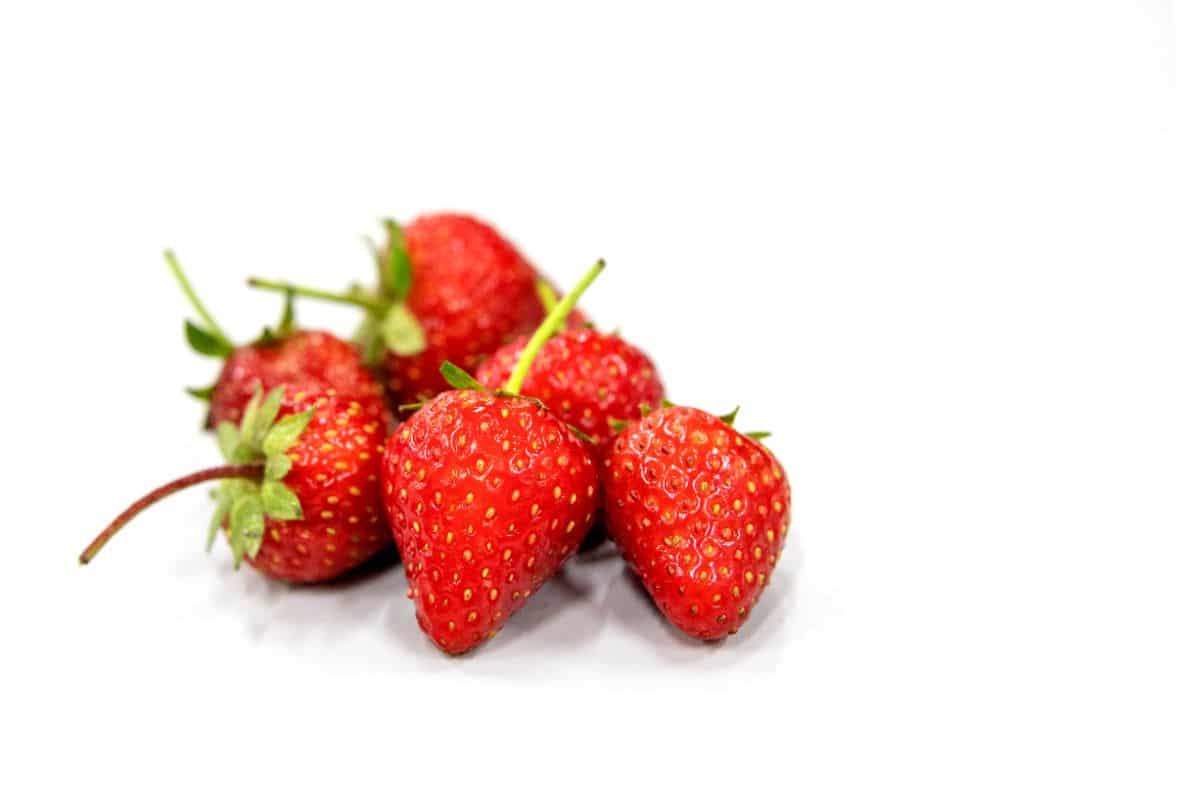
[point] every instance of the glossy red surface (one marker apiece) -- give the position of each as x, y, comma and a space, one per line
700, 512
487, 497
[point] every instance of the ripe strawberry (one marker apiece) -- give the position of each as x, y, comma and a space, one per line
451, 289
300, 496
309, 361
700, 511
487, 494
586, 378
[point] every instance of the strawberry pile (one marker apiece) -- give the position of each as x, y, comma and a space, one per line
485, 429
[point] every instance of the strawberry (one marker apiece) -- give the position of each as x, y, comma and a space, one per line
586, 378
487, 493
299, 497
451, 289
700, 512
309, 361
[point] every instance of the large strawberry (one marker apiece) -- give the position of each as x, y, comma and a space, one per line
299, 495
488, 493
310, 362
586, 378
700, 511
451, 289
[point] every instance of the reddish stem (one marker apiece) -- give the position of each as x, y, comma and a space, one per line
163, 491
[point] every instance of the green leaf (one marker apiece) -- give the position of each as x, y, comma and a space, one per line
224, 505
285, 432
370, 341
666, 402
583, 436
757, 435
202, 393
250, 415
645, 409
279, 501
228, 438
459, 379
618, 424
277, 467
401, 331
246, 527
729, 417
205, 342
400, 270
265, 416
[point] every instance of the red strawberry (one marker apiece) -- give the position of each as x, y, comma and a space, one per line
312, 362
487, 494
300, 496
451, 289
586, 378
700, 511
487, 497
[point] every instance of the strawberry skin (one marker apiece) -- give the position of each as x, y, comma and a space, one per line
700, 512
585, 378
471, 292
335, 475
312, 361
487, 496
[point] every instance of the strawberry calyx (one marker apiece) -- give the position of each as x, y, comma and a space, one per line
207, 338
388, 323
261, 438
251, 484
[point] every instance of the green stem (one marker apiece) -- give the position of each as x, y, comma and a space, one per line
549, 328
360, 299
194, 299
251, 471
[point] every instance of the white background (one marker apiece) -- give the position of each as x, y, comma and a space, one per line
945, 250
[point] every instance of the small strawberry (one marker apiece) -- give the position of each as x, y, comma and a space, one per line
451, 289
586, 378
300, 494
309, 361
488, 493
700, 511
